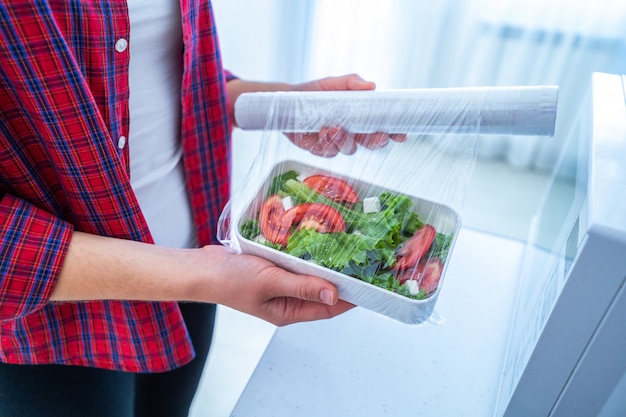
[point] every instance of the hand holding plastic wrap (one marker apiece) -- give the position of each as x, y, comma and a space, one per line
330, 141
378, 219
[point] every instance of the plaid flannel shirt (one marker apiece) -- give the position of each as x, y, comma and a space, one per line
64, 166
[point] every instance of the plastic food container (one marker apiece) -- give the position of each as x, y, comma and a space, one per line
396, 306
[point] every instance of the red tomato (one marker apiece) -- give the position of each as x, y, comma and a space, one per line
276, 222
427, 273
271, 220
321, 217
406, 275
415, 247
334, 189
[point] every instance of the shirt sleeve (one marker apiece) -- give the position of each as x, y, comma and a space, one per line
229, 76
33, 244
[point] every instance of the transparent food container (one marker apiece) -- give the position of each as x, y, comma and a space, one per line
388, 302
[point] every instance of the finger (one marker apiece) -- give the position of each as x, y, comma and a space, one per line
344, 141
344, 82
373, 141
310, 310
326, 150
305, 287
303, 140
355, 82
398, 137
336, 135
350, 145
284, 311
328, 142
320, 144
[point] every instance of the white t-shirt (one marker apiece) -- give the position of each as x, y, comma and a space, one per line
156, 165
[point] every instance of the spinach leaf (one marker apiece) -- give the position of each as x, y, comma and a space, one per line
250, 229
441, 246
278, 182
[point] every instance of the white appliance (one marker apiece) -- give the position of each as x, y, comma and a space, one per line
538, 330
567, 351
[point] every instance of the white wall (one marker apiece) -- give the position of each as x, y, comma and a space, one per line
249, 44
248, 37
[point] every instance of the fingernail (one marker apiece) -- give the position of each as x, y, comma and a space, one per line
326, 297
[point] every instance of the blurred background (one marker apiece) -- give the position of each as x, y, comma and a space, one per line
418, 44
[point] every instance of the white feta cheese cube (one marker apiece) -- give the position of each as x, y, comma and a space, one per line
287, 203
413, 287
371, 205
260, 239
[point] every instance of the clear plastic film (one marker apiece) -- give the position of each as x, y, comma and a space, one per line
366, 188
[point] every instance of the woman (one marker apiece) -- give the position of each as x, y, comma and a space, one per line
115, 120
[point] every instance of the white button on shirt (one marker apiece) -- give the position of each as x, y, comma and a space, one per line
121, 142
121, 45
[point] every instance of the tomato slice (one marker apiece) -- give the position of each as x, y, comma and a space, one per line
271, 220
427, 273
276, 222
415, 247
334, 189
321, 217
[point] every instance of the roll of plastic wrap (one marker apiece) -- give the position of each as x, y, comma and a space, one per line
484, 110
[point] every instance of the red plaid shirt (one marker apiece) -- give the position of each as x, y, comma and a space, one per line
63, 109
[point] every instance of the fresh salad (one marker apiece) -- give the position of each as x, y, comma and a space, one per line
378, 239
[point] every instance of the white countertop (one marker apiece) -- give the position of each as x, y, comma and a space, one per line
364, 364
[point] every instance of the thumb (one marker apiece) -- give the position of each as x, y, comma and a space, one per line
355, 82
309, 288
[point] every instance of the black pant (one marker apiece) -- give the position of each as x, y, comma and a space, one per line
68, 391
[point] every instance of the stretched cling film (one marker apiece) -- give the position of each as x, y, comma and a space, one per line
379, 223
